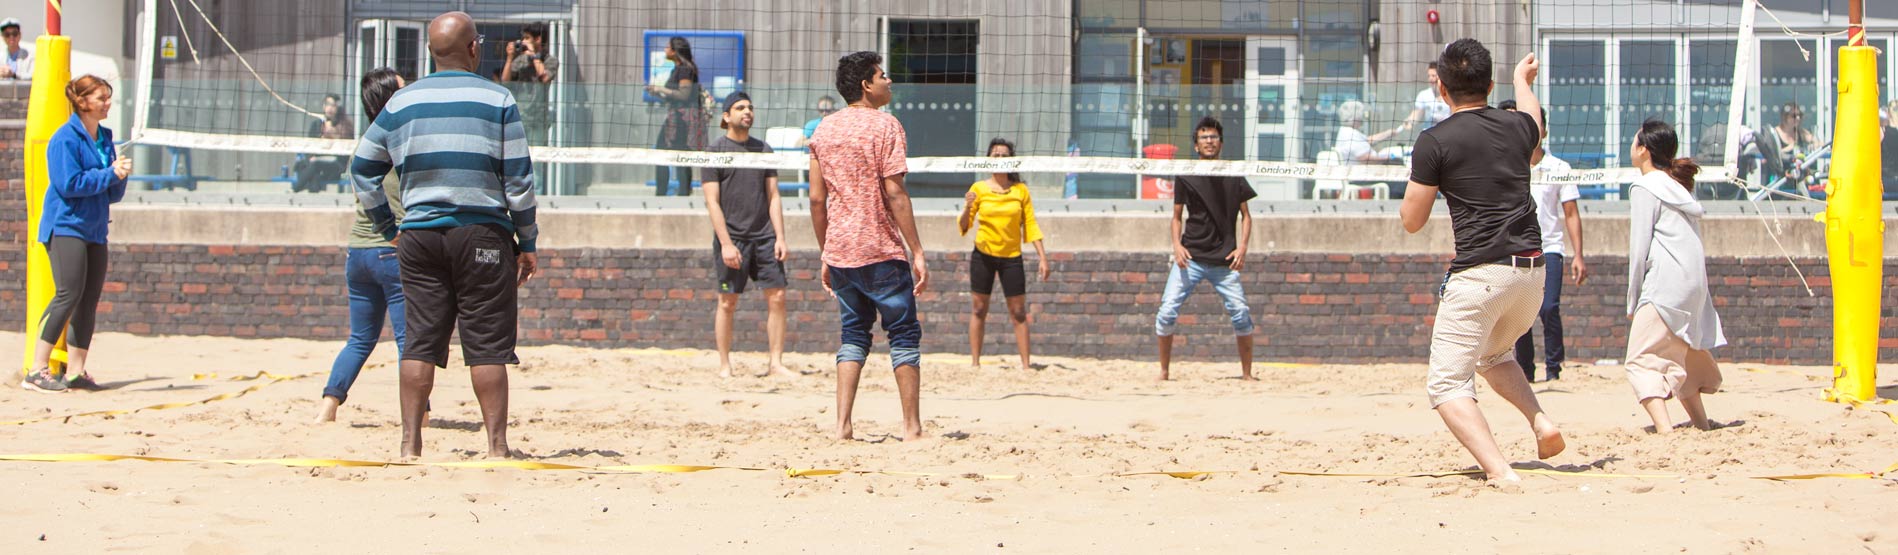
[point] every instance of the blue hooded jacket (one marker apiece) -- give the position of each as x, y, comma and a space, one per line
81, 186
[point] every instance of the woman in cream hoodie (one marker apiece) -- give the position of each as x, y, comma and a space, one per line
1674, 323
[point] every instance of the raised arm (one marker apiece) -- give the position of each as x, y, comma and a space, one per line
1526, 101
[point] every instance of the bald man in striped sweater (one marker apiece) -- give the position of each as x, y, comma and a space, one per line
467, 240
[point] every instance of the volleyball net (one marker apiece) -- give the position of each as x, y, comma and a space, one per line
1318, 98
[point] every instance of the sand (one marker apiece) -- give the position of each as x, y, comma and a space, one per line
1064, 430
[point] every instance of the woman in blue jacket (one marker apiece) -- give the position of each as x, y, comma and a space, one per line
85, 176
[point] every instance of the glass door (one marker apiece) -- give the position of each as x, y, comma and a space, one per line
1272, 109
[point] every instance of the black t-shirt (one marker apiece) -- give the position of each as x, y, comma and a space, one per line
684, 72
1479, 160
1212, 214
742, 192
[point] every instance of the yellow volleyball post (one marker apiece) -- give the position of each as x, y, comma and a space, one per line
46, 112
1855, 229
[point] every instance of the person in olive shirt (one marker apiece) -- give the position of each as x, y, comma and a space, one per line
748, 235
375, 282
1208, 245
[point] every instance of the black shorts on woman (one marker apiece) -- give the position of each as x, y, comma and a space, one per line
983, 270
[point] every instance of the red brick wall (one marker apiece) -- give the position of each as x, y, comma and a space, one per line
1310, 308
13, 232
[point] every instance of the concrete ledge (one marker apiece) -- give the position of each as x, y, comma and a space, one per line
1362, 233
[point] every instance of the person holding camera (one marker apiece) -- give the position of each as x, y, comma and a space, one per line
529, 72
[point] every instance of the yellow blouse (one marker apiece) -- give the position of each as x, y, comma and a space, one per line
1006, 220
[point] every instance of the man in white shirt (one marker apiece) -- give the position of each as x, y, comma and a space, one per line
19, 60
1561, 224
1429, 108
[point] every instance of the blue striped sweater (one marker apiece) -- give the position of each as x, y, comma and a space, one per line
457, 142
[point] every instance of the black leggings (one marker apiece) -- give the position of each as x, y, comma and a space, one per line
78, 276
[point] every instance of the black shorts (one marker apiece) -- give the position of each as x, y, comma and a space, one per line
460, 276
983, 269
759, 264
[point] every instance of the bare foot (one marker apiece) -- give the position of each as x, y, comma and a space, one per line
726, 372
1248, 377
844, 433
1164, 375
328, 411
778, 371
912, 435
500, 452
975, 363
412, 449
1549, 440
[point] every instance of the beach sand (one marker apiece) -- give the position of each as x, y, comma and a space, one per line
1062, 432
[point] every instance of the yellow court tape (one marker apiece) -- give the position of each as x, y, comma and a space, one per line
274, 378
816, 472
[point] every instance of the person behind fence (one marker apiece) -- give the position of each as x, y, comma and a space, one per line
684, 128
468, 188
1479, 159
1352, 145
529, 73
85, 175
1211, 231
825, 107
1560, 220
370, 270
1004, 217
1429, 108
1674, 323
747, 235
860, 210
1795, 143
19, 63
315, 172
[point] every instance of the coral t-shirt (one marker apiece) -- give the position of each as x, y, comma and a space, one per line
856, 148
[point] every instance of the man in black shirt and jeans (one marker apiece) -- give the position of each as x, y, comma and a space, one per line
1479, 160
1206, 247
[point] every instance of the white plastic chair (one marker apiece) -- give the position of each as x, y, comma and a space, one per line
1344, 190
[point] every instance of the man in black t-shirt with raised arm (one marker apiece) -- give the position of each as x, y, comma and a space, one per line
1479, 160
1207, 247
747, 235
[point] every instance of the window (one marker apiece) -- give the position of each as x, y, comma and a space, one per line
933, 66
1709, 93
1787, 77
1577, 92
1646, 85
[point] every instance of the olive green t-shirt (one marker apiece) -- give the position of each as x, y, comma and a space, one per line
362, 234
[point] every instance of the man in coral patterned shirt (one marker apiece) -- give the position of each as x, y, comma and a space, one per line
861, 213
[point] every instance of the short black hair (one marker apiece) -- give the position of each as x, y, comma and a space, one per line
537, 30
1464, 69
333, 96
853, 70
1212, 123
1433, 64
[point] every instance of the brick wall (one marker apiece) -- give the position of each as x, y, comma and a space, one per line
1310, 308
13, 232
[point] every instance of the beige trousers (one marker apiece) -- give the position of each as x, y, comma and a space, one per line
1482, 313
1659, 362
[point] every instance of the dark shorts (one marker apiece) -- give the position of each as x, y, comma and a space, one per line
460, 276
760, 264
983, 269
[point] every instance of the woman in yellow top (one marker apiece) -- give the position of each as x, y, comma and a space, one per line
1006, 215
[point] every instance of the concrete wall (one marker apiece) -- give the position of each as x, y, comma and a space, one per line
1606, 234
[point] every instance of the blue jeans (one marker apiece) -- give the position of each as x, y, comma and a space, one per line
1180, 283
1551, 324
882, 290
375, 288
